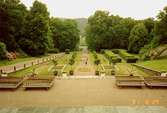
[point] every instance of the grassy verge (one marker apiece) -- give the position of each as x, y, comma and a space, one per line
103, 60
7, 62
40, 70
125, 69
159, 65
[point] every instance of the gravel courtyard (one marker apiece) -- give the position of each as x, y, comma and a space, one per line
83, 92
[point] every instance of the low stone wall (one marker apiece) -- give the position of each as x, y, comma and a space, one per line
148, 70
21, 66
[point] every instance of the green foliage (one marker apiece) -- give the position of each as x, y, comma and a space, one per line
12, 20
127, 56
145, 51
116, 51
96, 59
97, 72
65, 33
55, 62
138, 38
113, 58
72, 59
53, 50
67, 51
2, 50
71, 72
107, 32
161, 26
36, 41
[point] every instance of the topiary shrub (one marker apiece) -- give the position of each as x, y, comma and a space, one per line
97, 72
71, 72
112, 72
67, 51
55, 50
97, 61
2, 51
131, 59
116, 60
72, 61
55, 73
116, 51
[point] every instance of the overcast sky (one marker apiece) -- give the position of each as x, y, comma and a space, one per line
138, 9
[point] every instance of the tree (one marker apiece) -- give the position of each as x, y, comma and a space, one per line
36, 40
106, 31
138, 38
2, 50
161, 26
12, 18
65, 33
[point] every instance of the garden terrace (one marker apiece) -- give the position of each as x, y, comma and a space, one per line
129, 58
157, 65
125, 69
23, 65
148, 70
112, 56
70, 62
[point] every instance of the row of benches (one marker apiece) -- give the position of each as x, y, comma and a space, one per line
138, 81
27, 82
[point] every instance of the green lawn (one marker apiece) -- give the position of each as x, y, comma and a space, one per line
159, 65
126, 69
64, 59
7, 62
41, 70
103, 59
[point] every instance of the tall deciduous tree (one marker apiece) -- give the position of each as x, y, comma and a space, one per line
12, 19
65, 33
36, 41
138, 38
161, 26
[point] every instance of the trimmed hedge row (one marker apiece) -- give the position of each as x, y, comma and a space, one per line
72, 59
128, 57
111, 56
97, 60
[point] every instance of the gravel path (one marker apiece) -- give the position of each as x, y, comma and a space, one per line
84, 92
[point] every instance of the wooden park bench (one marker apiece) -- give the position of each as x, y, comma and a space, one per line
129, 81
38, 82
10, 82
155, 81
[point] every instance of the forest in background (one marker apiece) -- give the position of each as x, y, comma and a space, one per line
33, 31
105, 31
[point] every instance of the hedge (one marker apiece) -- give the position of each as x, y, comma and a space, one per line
111, 56
97, 60
128, 57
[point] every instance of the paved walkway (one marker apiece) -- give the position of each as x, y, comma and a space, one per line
84, 92
85, 68
86, 109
